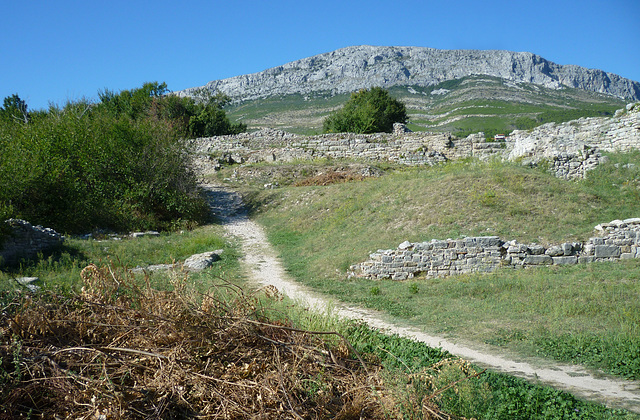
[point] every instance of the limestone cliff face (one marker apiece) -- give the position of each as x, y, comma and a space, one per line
352, 68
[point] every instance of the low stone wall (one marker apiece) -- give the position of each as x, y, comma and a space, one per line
26, 241
439, 258
405, 148
571, 149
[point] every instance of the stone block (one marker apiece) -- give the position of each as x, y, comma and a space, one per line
555, 251
567, 248
627, 256
399, 276
440, 244
566, 260
536, 249
538, 260
607, 251
486, 241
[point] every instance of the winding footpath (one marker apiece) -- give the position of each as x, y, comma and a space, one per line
264, 268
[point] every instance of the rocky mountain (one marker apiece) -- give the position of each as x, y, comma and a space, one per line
352, 68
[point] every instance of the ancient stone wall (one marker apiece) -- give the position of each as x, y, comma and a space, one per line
437, 258
26, 241
575, 147
406, 148
569, 149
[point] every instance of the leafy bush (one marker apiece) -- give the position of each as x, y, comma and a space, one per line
199, 116
367, 111
85, 166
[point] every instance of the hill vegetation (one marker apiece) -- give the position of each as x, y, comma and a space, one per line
367, 111
463, 106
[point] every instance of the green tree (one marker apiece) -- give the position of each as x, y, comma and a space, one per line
209, 118
14, 109
201, 115
367, 111
133, 103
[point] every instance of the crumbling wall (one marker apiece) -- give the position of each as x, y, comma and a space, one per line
619, 239
26, 241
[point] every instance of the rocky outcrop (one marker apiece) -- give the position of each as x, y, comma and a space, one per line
619, 239
196, 262
353, 68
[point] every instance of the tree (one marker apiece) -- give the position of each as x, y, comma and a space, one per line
133, 103
14, 108
198, 116
209, 119
367, 111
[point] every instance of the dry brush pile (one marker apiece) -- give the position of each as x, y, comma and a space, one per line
121, 350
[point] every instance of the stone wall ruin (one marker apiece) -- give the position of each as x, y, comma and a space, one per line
570, 149
26, 241
619, 239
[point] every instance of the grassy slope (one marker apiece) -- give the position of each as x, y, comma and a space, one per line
476, 103
489, 396
409, 376
320, 231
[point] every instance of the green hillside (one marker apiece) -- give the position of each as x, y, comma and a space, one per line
463, 106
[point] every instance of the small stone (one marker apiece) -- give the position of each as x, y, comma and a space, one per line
555, 251
199, 262
28, 282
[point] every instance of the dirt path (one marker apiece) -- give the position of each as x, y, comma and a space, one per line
265, 268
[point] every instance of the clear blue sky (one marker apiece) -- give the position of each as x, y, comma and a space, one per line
54, 51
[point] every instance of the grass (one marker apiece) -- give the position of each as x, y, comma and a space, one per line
62, 268
321, 231
413, 371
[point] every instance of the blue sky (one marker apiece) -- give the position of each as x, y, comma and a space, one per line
54, 51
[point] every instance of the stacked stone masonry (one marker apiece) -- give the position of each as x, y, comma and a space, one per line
619, 239
571, 149
26, 241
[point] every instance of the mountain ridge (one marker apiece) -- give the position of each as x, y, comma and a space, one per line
352, 68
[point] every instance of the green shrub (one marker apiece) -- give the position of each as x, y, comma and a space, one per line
367, 111
82, 167
198, 116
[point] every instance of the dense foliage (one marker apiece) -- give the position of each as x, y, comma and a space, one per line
367, 111
198, 116
118, 164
